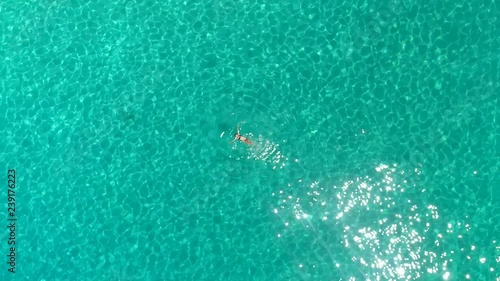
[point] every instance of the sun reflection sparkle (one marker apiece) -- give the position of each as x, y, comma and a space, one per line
394, 238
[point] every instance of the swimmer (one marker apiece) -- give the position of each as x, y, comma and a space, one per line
237, 136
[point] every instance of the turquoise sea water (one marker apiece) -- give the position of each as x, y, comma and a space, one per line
375, 129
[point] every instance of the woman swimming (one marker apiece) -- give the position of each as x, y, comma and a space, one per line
239, 137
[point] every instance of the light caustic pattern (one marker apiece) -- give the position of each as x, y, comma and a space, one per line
382, 233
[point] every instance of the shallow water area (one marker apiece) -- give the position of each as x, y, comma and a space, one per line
374, 130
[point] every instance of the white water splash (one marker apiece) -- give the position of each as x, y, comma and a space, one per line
267, 151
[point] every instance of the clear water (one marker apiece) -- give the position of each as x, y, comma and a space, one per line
375, 129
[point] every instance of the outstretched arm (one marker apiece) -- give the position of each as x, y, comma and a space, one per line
238, 129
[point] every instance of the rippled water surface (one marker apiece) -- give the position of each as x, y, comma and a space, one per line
374, 129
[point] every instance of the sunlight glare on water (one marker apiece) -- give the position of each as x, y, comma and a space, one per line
385, 234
